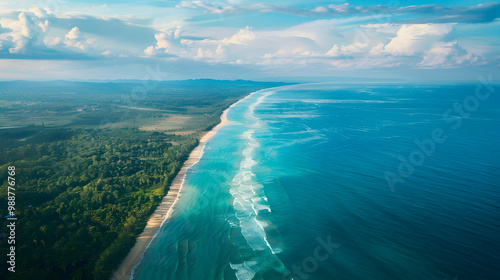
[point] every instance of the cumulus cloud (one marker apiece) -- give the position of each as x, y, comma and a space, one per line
348, 50
73, 34
75, 38
28, 31
211, 55
168, 44
448, 55
219, 50
241, 38
150, 51
39, 33
27, 36
416, 38
334, 51
41, 14
161, 46
328, 36
387, 46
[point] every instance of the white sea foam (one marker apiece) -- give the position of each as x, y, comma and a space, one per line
319, 101
242, 271
249, 200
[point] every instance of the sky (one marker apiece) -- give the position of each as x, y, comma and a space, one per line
290, 40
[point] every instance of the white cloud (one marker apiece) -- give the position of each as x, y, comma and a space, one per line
162, 40
27, 31
320, 10
241, 38
448, 55
52, 41
424, 13
334, 51
356, 48
388, 28
74, 38
161, 46
41, 14
73, 34
210, 7
150, 51
286, 48
167, 43
416, 38
212, 55
377, 50
340, 8
177, 33
343, 42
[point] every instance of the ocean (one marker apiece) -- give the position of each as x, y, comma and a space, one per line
324, 181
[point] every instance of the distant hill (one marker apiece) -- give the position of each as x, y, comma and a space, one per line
122, 85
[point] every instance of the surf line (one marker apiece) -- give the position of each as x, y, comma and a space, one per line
164, 210
249, 199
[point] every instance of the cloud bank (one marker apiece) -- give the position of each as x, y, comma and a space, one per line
292, 40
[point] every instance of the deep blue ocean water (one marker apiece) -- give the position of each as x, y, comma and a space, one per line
342, 182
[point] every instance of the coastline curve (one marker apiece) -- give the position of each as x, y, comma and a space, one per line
166, 207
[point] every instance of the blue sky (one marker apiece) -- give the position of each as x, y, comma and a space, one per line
235, 39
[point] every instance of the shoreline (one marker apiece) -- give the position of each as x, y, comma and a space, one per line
165, 208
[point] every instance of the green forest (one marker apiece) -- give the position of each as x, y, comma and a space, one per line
86, 187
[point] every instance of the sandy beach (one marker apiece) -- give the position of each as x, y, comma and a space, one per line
164, 210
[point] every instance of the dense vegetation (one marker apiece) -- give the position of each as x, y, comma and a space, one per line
91, 192
86, 187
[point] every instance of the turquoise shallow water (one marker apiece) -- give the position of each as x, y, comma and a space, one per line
342, 182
